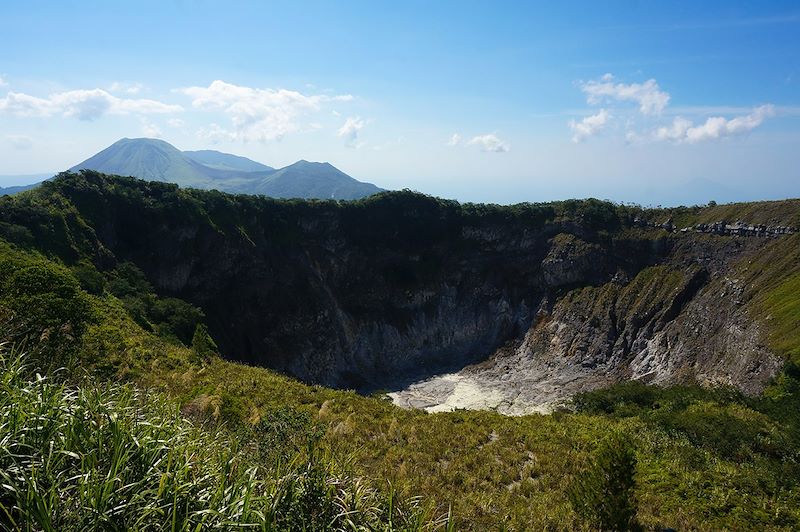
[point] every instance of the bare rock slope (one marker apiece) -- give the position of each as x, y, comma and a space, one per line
682, 321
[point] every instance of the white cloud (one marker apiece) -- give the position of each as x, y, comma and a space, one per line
455, 140
589, 125
127, 88
3, 82
675, 131
19, 142
651, 99
715, 127
175, 122
490, 143
257, 114
350, 130
25, 105
150, 129
83, 104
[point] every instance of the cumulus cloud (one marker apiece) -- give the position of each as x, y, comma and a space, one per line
257, 114
19, 142
349, 131
455, 139
652, 101
649, 96
675, 131
715, 127
589, 126
83, 104
489, 143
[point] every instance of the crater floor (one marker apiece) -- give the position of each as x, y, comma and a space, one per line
505, 383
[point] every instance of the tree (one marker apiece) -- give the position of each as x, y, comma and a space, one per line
203, 345
605, 495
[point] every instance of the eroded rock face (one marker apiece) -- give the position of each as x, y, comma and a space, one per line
685, 320
533, 317
333, 312
570, 261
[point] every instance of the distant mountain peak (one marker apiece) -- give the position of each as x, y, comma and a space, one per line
147, 158
146, 140
158, 160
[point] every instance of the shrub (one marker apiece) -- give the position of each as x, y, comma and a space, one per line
604, 495
47, 304
175, 318
610, 400
203, 346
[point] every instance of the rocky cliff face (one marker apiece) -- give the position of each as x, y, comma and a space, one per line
685, 320
508, 308
328, 306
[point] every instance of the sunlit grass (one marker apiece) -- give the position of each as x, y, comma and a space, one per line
112, 457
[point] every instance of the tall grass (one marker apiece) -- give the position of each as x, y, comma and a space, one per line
110, 457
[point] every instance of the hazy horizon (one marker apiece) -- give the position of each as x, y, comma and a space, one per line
667, 103
666, 196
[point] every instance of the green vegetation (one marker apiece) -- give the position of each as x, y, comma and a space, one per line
148, 427
62, 227
109, 457
784, 304
772, 281
721, 420
42, 302
784, 212
168, 316
203, 346
605, 493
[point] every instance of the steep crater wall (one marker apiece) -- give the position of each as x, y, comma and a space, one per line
364, 294
531, 302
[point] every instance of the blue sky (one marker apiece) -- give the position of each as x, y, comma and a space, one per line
652, 102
